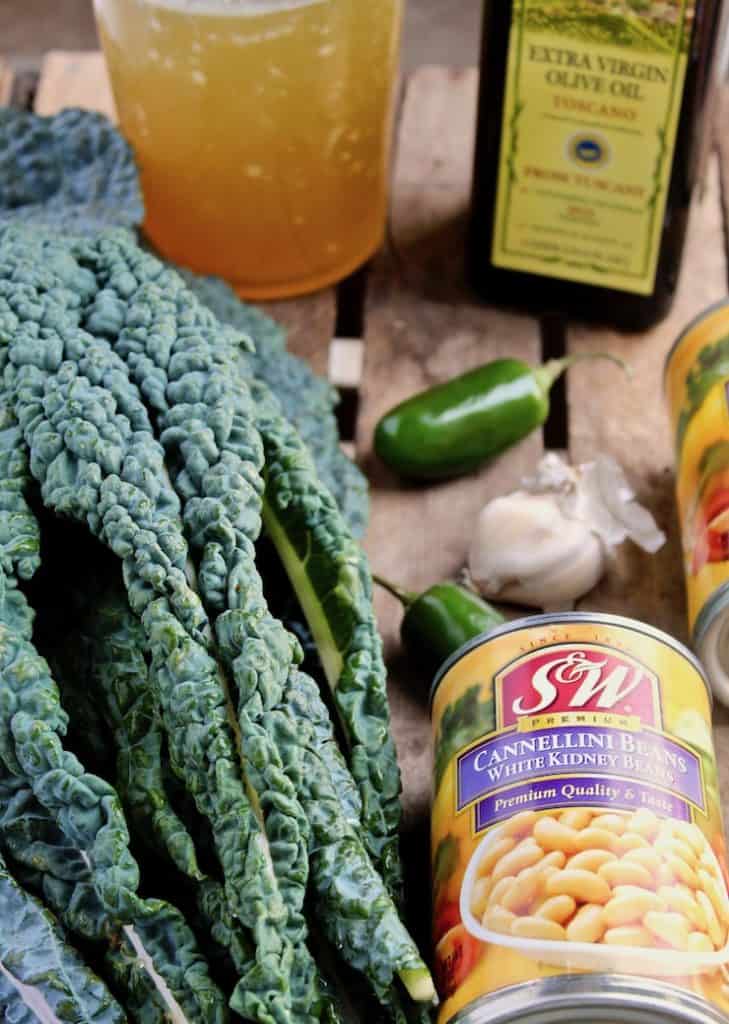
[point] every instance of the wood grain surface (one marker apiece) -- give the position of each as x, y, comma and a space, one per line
74, 80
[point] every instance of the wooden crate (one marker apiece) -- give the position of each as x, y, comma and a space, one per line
422, 326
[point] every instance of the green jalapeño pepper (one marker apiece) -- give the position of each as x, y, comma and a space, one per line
454, 427
440, 620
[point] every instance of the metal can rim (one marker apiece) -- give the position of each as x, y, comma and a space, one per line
605, 618
713, 308
611, 993
714, 604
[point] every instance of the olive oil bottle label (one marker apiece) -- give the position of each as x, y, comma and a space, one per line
592, 102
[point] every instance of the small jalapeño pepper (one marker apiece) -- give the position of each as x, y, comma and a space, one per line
454, 427
440, 620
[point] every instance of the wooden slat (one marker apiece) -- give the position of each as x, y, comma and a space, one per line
81, 80
422, 327
73, 80
6, 83
346, 362
309, 322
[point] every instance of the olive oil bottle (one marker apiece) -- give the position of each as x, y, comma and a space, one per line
590, 127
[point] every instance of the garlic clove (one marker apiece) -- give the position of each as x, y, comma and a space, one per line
560, 588
520, 534
527, 551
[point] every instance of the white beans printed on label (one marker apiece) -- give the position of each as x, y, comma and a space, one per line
614, 878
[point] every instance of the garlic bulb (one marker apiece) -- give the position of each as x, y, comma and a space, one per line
548, 544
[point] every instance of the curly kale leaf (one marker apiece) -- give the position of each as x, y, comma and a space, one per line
307, 400
331, 578
153, 960
67, 826
71, 172
353, 906
94, 454
206, 424
19, 534
41, 977
106, 655
86, 808
205, 418
462, 723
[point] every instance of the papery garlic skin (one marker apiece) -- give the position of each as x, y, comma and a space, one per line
548, 544
527, 551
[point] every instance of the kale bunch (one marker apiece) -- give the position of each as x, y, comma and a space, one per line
72, 172
128, 409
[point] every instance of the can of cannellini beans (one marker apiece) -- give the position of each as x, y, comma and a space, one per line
578, 854
697, 388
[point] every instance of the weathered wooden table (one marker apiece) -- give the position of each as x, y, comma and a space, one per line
417, 325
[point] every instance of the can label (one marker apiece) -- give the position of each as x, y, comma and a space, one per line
697, 383
576, 821
590, 116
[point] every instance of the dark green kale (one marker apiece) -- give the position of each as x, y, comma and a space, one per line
95, 457
307, 400
207, 424
66, 825
129, 407
72, 172
41, 977
105, 654
330, 575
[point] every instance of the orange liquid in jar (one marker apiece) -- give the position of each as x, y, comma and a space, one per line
261, 129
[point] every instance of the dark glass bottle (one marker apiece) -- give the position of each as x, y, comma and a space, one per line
592, 115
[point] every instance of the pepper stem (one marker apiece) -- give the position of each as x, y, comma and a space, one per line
405, 597
547, 374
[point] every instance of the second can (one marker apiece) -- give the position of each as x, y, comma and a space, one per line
576, 827
697, 387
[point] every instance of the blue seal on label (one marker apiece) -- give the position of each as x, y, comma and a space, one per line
588, 150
